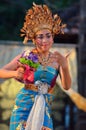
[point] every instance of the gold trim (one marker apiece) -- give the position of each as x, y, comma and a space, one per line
34, 88
31, 87
24, 123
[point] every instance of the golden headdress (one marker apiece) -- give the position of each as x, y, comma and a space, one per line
40, 17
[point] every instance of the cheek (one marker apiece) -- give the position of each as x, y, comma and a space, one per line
38, 43
51, 41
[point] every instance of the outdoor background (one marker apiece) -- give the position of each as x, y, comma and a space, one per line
67, 104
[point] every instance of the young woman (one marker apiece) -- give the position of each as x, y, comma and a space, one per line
32, 105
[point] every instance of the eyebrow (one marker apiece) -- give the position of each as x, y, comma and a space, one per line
43, 34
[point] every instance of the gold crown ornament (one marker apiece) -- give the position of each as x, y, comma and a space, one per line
40, 17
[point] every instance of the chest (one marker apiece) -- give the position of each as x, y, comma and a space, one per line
47, 74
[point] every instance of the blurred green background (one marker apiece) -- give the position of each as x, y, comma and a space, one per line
12, 13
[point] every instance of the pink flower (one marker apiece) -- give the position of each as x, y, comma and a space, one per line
28, 75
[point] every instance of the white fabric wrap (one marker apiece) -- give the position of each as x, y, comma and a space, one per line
36, 117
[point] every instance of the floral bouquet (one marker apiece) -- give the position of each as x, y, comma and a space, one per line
30, 62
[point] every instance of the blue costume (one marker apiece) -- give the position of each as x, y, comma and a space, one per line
30, 99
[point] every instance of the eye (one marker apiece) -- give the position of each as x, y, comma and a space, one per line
48, 35
40, 37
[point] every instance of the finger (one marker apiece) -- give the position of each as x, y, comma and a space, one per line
20, 75
21, 70
56, 53
68, 54
53, 56
19, 64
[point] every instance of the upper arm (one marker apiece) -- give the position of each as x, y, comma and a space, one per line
12, 65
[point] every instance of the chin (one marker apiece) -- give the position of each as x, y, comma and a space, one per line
45, 48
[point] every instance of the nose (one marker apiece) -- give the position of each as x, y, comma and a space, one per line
44, 39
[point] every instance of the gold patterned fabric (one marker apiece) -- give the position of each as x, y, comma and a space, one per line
34, 88
24, 124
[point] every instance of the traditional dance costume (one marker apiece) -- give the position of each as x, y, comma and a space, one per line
32, 105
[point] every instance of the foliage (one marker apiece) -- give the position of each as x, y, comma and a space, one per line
8, 90
61, 3
12, 15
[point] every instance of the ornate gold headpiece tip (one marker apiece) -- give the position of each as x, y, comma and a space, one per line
25, 40
34, 3
64, 25
40, 17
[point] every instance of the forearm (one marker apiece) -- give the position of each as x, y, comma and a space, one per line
65, 77
12, 69
7, 73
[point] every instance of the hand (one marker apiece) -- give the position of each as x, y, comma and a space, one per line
19, 73
61, 60
20, 65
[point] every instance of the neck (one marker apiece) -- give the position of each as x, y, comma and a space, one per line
43, 53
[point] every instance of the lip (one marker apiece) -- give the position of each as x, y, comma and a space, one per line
45, 45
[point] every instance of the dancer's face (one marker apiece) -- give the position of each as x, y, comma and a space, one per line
44, 40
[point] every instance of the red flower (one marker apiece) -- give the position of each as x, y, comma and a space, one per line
28, 75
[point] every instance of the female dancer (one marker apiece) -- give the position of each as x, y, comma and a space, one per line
38, 70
